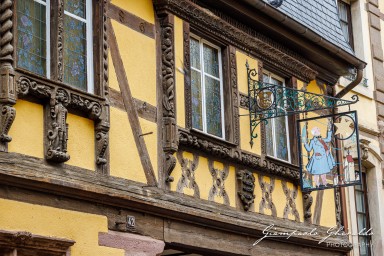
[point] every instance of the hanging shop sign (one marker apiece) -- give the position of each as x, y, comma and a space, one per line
328, 145
329, 153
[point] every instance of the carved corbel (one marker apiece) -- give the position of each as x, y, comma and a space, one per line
57, 127
246, 188
307, 201
170, 142
102, 141
8, 94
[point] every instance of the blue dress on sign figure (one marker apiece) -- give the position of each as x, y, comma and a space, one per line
321, 161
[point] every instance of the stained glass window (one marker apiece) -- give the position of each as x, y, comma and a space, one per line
32, 36
276, 130
76, 57
207, 87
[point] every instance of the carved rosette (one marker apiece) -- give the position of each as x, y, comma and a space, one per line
266, 198
57, 130
246, 188
307, 202
187, 179
8, 94
218, 183
170, 143
290, 206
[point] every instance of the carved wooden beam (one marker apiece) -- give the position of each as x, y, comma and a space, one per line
130, 106
168, 80
7, 84
205, 20
240, 157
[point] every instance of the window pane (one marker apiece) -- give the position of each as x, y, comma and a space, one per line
31, 41
281, 138
343, 9
269, 137
361, 221
360, 207
195, 53
211, 60
75, 55
213, 106
197, 105
76, 7
363, 245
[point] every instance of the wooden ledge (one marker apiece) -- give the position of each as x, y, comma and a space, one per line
34, 173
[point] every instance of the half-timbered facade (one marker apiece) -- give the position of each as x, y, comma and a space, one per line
125, 127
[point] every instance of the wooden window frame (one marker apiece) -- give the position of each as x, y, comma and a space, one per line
94, 27
230, 96
348, 22
202, 72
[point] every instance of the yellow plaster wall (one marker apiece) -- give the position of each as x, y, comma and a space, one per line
138, 53
242, 81
124, 157
328, 212
83, 228
141, 8
179, 64
27, 130
81, 142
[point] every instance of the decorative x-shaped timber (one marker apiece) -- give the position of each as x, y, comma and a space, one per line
129, 105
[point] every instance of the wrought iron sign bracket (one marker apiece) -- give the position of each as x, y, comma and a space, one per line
268, 101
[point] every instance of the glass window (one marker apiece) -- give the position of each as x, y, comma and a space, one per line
362, 217
207, 87
276, 130
34, 45
345, 20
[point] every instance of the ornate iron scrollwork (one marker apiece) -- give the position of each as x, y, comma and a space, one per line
268, 101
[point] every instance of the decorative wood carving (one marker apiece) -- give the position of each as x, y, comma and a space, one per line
307, 201
290, 206
246, 159
235, 95
233, 34
246, 188
60, 40
85, 103
266, 198
244, 101
7, 84
169, 137
57, 127
187, 179
218, 180
339, 218
187, 75
102, 140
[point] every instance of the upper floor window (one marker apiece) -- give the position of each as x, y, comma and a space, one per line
207, 87
277, 130
362, 217
345, 20
35, 27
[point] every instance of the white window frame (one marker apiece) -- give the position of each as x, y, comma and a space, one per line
203, 74
89, 35
272, 122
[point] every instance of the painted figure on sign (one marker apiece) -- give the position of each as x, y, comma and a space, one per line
321, 161
349, 168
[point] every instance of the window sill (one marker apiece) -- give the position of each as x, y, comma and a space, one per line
32, 87
281, 162
208, 137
